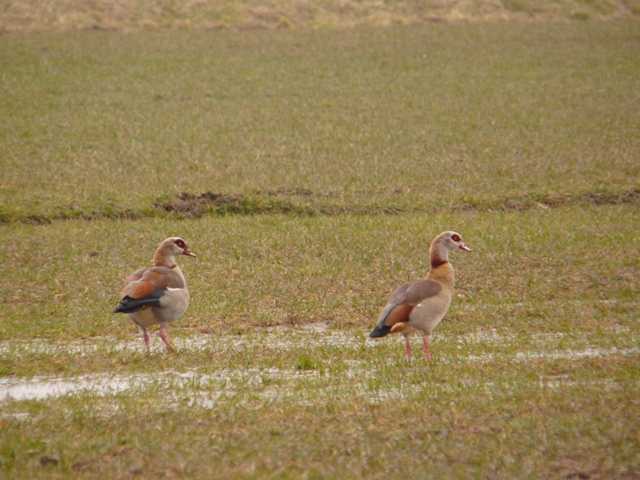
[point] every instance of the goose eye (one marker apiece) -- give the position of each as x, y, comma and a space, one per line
180, 243
455, 238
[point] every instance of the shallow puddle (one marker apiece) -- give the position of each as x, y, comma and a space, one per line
40, 388
101, 384
228, 381
310, 336
249, 384
590, 352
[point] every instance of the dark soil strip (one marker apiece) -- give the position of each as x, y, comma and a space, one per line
188, 205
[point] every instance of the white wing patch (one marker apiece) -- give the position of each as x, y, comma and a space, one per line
174, 289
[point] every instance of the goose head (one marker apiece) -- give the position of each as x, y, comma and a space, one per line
169, 249
443, 244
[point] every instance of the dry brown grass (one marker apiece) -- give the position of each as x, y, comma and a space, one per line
24, 16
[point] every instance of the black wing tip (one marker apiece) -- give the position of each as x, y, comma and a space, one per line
380, 332
126, 308
130, 305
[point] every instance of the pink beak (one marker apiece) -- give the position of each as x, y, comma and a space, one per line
188, 253
464, 247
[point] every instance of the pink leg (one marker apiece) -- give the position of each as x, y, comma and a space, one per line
408, 345
426, 348
164, 338
146, 338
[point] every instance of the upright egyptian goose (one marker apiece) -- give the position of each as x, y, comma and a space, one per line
158, 295
419, 306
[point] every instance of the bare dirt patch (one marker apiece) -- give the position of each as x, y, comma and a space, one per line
191, 205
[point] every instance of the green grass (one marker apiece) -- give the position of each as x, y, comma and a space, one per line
272, 270
540, 290
341, 153
99, 124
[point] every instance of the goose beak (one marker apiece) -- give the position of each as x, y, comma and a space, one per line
464, 247
188, 253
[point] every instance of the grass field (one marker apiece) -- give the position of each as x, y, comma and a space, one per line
309, 169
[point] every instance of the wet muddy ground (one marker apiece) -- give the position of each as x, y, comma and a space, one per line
295, 384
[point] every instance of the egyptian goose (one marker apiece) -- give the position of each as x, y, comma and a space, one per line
419, 306
158, 295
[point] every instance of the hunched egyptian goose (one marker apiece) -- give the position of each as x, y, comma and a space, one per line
158, 295
419, 306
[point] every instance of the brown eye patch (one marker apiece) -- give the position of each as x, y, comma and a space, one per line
455, 237
180, 243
